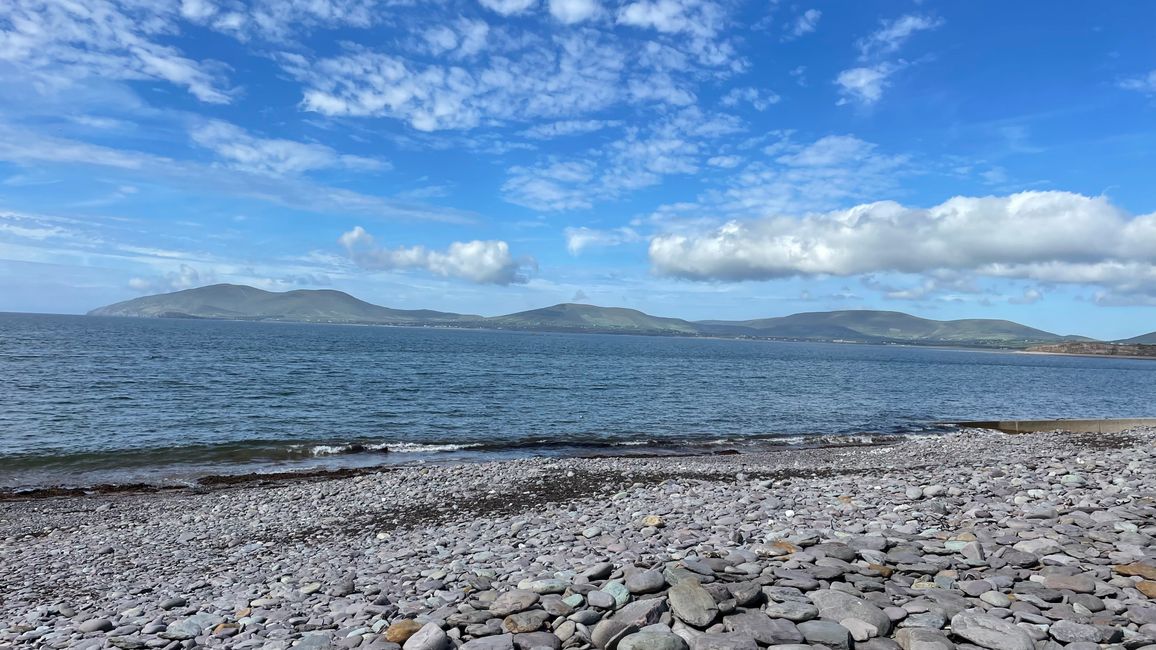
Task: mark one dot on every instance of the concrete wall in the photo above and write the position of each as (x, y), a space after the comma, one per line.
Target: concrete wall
(1075, 426)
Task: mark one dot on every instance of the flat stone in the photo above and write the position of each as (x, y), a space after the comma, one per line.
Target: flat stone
(645, 582)
(188, 628)
(792, 610)
(1041, 546)
(95, 625)
(762, 628)
(914, 638)
(995, 599)
(1081, 584)
(495, 642)
(531, 640)
(528, 621)
(987, 631)
(548, 586)
(827, 633)
(836, 606)
(429, 637)
(513, 601)
(600, 599)
(652, 641)
(315, 641)
(1145, 570)
(1071, 632)
(860, 630)
(715, 641)
(692, 604)
(400, 631)
(643, 612)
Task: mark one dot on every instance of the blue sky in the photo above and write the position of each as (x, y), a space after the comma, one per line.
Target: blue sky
(691, 158)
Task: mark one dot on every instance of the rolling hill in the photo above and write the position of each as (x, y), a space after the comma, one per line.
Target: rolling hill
(1143, 339)
(239, 302)
(576, 317)
(867, 325)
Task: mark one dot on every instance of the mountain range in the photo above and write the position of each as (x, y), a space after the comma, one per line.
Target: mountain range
(239, 302)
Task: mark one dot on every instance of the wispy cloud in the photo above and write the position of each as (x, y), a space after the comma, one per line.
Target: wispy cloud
(807, 22)
(864, 84)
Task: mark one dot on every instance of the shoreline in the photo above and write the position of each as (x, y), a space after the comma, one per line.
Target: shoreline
(945, 538)
(305, 471)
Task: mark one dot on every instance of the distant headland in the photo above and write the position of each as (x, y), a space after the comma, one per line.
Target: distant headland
(239, 302)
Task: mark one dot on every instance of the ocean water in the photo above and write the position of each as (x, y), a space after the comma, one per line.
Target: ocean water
(86, 400)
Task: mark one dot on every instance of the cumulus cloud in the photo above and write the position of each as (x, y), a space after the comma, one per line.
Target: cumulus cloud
(273, 156)
(579, 239)
(1050, 237)
(184, 277)
(574, 11)
(482, 262)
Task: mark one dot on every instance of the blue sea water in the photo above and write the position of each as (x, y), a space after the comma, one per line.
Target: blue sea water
(87, 400)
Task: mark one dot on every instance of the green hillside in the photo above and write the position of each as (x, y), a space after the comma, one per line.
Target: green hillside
(231, 301)
(1143, 339)
(575, 317)
(869, 325)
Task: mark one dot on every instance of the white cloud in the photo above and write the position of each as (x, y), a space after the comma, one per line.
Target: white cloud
(273, 156)
(574, 11)
(724, 162)
(482, 262)
(892, 34)
(864, 85)
(1143, 83)
(551, 186)
(1030, 296)
(27, 148)
(573, 75)
(678, 144)
(509, 7)
(701, 18)
(581, 238)
(461, 38)
(759, 99)
(1048, 237)
(185, 277)
(60, 43)
(807, 22)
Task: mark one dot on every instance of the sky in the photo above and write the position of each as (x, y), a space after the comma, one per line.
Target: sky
(700, 159)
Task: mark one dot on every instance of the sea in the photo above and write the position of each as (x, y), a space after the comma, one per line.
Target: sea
(86, 401)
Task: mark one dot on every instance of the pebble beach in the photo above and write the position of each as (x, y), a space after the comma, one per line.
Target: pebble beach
(974, 539)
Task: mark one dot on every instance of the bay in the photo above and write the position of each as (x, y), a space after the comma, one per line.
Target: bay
(85, 400)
